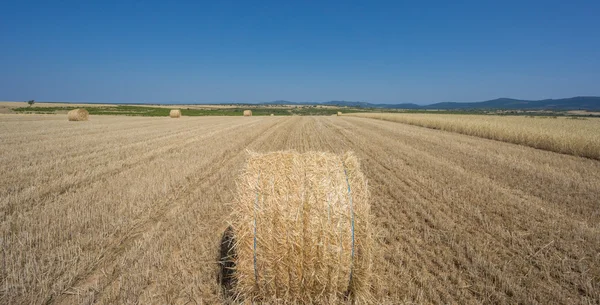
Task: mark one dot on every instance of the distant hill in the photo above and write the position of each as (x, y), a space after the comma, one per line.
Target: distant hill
(573, 103)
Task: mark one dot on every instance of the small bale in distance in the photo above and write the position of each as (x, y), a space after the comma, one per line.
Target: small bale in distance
(339, 113)
(301, 225)
(175, 113)
(78, 114)
(247, 112)
(272, 114)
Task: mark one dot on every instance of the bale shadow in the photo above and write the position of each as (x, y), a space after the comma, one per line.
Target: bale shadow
(226, 262)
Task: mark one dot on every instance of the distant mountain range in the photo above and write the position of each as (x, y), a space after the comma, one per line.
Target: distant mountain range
(573, 103)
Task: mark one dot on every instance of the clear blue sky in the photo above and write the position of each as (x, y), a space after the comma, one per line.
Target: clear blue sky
(254, 51)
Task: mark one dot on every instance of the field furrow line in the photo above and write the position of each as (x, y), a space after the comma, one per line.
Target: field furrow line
(554, 178)
(8, 204)
(497, 233)
(71, 130)
(89, 156)
(210, 176)
(88, 145)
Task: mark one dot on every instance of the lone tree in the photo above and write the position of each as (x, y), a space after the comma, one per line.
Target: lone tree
(31, 102)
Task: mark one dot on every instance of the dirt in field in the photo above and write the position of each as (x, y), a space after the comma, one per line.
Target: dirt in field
(131, 210)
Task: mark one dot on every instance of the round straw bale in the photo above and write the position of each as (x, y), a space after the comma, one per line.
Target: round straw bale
(79, 114)
(339, 113)
(301, 225)
(175, 113)
(247, 112)
(272, 114)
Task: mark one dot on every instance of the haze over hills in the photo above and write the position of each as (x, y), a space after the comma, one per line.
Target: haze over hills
(589, 103)
(573, 103)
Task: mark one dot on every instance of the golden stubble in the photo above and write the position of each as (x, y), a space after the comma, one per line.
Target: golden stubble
(131, 210)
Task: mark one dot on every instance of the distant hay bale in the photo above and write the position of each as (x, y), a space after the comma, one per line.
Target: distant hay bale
(247, 112)
(272, 114)
(339, 113)
(79, 114)
(175, 113)
(301, 230)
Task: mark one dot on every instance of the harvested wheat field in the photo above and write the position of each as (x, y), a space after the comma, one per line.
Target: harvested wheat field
(132, 209)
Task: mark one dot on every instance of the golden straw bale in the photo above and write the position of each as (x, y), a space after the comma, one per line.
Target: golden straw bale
(301, 225)
(79, 114)
(247, 112)
(339, 113)
(175, 113)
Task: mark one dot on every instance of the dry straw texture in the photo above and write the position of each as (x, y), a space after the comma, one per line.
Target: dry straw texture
(339, 113)
(175, 113)
(247, 112)
(293, 221)
(114, 212)
(79, 114)
(578, 137)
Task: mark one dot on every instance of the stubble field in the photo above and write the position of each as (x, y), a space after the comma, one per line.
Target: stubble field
(131, 209)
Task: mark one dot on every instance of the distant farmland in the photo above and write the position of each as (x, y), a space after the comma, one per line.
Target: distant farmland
(131, 209)
(187, 110)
